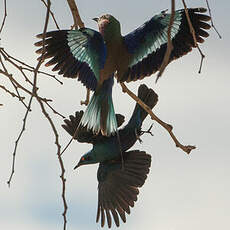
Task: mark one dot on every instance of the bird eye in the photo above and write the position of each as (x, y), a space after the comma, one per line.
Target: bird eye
(87, 158)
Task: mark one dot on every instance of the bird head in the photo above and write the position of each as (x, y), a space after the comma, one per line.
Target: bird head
(108, 26)
(86, 159)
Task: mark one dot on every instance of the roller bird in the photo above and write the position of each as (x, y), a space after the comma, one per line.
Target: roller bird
(94, 58)
(118, 179)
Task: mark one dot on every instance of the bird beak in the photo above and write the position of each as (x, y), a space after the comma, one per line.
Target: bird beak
(79, 164)
(96, 19)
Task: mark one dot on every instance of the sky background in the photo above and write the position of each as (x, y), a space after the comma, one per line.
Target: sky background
(181, 192)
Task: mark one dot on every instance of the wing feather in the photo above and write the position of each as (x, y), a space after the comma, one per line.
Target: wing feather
(148, 43)
(118, 188)
(75, 53)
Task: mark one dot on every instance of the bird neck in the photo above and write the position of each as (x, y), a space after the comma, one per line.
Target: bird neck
(107, 150)
(111, 32)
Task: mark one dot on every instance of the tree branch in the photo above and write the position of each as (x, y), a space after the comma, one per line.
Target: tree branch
(192, 31)
(212, 24)
(169, 44)
(75, 13)
(168, 127)
(4, 18)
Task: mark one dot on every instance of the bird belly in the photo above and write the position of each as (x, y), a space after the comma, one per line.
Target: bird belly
(107, 71)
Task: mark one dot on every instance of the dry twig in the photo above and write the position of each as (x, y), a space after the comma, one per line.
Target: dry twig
(212, 24)
(192, 31)
(52, 15)
(75, 13)
(169, 44)
(4, 17)
(168, 127)
(61, 163)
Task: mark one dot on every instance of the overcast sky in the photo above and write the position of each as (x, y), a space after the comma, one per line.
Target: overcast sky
(181, 192)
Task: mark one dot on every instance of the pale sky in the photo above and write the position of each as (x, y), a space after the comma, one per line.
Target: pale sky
(181, 191)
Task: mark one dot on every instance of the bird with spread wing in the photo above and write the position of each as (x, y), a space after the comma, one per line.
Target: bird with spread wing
(118, 176)
(94, 58)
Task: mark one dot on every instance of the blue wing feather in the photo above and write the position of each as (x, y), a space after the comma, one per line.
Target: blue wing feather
(150, 36)
(147, 44)
(76, 53)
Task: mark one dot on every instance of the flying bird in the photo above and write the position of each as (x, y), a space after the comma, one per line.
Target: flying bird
(94, 58)
(118, 178)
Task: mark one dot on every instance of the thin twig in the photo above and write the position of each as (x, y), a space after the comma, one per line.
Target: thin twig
(44, 73)
(34, 93)
(62, 176)
(11, 93)
(54, 111)
(17, 142)
(8, 58)
(192, 31)
(52, 15)
(4, 18)
(10, 76)
(5, 72)
(24, 66)
(168, 127)
(212, 24)
(169, 43)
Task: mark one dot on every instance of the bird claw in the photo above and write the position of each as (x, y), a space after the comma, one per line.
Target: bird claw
(148, 131)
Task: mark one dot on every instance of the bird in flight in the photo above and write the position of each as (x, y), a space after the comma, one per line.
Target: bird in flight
(118, 179)
(95, 58)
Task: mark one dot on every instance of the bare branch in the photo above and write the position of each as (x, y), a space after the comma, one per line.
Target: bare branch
(24, 66)
(168, 127)
(75, 13)
(52, 15)
(4, 18)
(34, 93)
(62, 176)
(169, 44)
(192, 31)
(18, 85)
(16, 143)
(54, 111)
(212, 24)
(11, 93)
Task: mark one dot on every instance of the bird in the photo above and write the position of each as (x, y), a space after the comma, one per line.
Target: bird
(95, 58)
(118, 179)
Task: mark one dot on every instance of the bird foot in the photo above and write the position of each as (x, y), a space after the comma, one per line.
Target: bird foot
(148, 131)
(86, 102)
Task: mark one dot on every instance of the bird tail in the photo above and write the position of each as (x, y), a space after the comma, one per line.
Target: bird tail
(99, 114)
(150, 98)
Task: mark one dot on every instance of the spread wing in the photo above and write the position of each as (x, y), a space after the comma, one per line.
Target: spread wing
(148, 43)
(75, 53)
(84, 135)
(118, 188)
